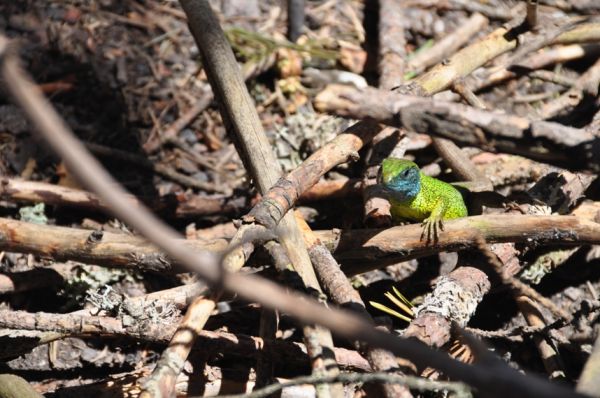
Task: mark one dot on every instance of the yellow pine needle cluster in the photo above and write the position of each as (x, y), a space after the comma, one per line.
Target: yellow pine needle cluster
(400, 301)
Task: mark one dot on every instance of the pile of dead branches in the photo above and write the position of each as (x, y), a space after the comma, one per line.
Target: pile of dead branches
(499, 97)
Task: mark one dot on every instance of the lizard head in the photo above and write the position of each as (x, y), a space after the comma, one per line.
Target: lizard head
(400, 177)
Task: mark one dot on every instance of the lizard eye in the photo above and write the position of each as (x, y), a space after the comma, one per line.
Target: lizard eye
(405, 172)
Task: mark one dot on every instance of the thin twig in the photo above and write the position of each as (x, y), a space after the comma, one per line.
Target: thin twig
(413, 382)
(516, 284)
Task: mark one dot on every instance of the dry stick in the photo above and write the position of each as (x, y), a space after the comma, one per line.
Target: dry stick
(448, 45)
(509, 133)
(532, 9)
(179, 297)
(589, 380)
(460, 88)
(239, 114)
(16, 190)
(158, 168)
(359, 250)
(402, 243)
(534, 61)
(295, 19)
(94, 247)
(392, 54)
(501, 13)
(196, 205)
(186, 118)
(523, 295)
(581, 6)
(499, 41)
(50, 194)
(462, 166)
(459, 390)
(55, 195)
(553, 77)
(581, 33)
(341, 292)
(493, 12)
(532, 43)
(548, 353)
(210, 342)
(498, 381)
(196, 157)
(454, 299)
(250, 70)
(392, 51)
(525, 305)
(584, 33)
(464, 62)
(331, 189)
(585, 85)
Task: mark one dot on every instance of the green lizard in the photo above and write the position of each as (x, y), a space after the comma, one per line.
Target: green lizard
(418, 197)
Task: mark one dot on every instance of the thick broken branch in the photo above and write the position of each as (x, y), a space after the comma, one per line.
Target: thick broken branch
(394, 244)
(465, 124)
(401, 243)
(92, 247)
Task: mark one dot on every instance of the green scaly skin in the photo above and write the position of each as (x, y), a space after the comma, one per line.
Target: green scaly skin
(434, 202)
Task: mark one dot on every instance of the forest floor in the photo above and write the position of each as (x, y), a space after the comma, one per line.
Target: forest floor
(127, 78)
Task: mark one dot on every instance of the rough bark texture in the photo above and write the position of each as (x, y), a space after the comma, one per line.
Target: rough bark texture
(454, 299)
(93, 247)
(467, 125)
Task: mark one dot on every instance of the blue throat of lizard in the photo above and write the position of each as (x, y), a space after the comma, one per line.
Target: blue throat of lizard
(405, 185)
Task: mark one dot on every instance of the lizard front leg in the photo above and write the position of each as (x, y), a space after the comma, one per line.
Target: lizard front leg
(433, 224)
